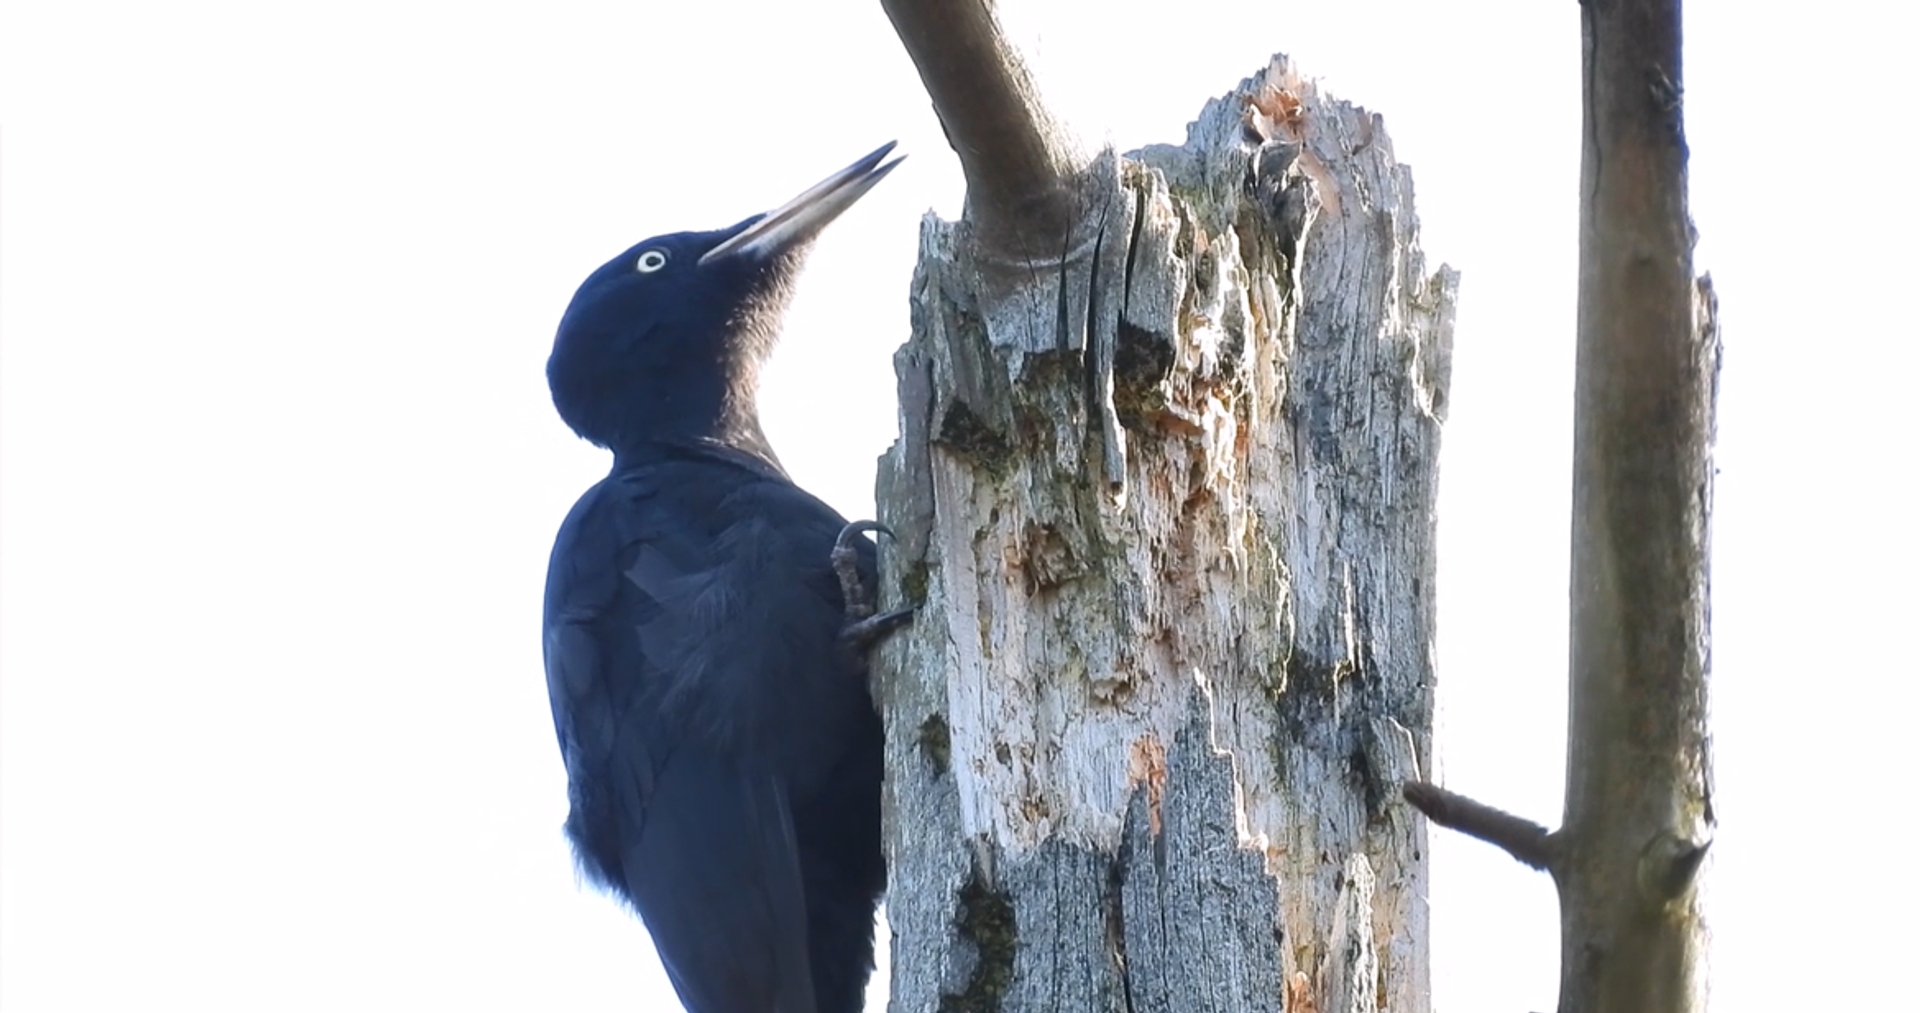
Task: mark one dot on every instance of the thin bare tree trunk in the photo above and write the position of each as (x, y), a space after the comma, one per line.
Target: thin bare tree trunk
(1164, 496)
(1639, 809)
(1638, 813)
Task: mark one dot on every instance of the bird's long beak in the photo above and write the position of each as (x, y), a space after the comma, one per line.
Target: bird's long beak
(801, 218)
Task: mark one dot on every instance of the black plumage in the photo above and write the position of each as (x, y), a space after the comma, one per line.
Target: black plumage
(723, 755)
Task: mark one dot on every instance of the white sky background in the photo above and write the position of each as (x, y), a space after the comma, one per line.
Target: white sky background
(277, 286)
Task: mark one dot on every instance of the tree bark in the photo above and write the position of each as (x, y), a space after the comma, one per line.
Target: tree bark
(1164, 499)
(1639, 806)
(1638, 811)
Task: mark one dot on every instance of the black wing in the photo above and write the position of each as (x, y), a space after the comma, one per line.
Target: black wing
(699, 692)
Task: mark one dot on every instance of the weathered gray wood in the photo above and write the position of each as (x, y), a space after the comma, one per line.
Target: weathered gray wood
(1164, 494)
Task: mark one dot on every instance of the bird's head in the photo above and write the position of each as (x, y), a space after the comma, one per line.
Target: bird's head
(665, 341)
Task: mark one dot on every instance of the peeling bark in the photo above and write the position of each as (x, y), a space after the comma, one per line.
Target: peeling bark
(1164, 497)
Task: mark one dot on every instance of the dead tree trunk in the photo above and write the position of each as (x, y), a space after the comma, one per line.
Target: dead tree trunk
(1164, 497)
(1639, 806)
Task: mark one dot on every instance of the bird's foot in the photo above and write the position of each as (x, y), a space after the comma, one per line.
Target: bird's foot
(862, 634)
(864, 628)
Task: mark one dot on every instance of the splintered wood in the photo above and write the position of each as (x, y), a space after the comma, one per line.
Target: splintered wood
(1165, 499)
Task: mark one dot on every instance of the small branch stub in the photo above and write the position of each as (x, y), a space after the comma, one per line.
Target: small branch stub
(1528, 842)
(1669, 865)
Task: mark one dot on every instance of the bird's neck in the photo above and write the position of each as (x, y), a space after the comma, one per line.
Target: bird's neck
(757, 459)
(726, 419)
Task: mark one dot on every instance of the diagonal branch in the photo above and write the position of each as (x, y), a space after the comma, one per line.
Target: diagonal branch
(1022, 167)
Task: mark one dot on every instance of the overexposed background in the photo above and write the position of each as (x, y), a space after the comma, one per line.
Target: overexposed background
(277, 286)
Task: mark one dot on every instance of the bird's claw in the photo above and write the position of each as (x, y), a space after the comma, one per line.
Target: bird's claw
(846, 566)
(864, 628)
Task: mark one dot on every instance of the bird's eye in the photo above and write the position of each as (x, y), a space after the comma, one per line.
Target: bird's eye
(651, 261)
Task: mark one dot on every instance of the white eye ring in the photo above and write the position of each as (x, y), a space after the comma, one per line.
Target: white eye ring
(651, 261)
